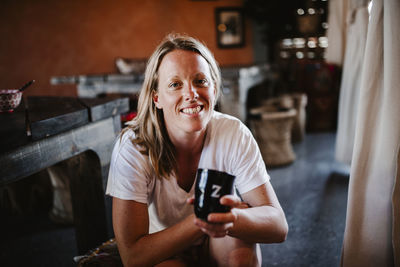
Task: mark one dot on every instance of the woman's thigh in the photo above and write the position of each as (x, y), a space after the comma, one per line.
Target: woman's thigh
(194, 256)
(172, 263)
(230, 251)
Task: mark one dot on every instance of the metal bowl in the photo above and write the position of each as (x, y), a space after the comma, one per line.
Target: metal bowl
(9, 99)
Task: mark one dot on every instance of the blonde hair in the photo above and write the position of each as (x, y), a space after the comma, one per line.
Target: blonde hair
(150, 132)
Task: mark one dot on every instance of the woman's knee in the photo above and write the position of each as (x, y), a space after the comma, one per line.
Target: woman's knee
(171, 263)
(243, 257)
(229, 251)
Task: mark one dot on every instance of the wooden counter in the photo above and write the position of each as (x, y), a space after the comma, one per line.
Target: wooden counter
(43, 131)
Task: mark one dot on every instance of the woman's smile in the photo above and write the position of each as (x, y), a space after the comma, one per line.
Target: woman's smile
(192, 110)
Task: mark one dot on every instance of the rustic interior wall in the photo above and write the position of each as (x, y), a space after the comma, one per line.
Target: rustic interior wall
(43, 38)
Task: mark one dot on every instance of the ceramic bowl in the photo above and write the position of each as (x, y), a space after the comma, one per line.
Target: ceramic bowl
(9, 99)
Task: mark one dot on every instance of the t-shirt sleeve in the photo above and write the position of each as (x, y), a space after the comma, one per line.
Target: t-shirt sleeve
(249, 166)
(128, 175)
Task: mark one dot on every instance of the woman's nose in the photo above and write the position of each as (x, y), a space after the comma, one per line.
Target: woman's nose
(190, 93)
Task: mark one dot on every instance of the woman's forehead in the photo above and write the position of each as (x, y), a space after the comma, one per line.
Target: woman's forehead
(183, 60)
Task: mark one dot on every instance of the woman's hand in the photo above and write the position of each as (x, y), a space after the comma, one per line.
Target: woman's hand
(218, 224)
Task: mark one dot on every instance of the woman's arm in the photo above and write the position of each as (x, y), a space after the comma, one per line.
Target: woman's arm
(263, 222)
(139, 248)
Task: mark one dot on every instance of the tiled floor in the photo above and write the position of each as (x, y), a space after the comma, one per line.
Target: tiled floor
(313, 194)
(312, 191)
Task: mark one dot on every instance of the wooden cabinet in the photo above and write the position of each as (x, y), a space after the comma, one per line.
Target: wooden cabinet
(321, 82)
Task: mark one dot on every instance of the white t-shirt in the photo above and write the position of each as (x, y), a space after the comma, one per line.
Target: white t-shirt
(229, 147)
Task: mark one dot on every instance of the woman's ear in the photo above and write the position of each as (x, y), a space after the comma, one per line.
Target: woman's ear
(155, 100)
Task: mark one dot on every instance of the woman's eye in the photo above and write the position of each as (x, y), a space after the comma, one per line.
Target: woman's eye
(201, 81)
(174, 84)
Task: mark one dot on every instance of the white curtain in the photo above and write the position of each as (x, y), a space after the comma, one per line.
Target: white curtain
(396, 217)
(357, 25)
(372, 224)
(337, 22)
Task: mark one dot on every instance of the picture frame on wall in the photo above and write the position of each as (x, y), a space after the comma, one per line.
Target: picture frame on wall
(229, 27)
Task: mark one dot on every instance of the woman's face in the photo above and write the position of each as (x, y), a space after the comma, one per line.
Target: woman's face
(186, 92)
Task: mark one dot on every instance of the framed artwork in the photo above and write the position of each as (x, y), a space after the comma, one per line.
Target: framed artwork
(229, 26)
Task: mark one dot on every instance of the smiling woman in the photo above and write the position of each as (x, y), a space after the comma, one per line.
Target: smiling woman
(185, 94)
(155, 161)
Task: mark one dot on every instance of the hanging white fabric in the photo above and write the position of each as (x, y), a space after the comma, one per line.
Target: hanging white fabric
(369, 235)
(336, 33)
(396, 217)
(357, 25)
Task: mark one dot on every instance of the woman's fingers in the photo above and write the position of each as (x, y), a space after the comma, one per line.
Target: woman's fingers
(233, 202)
(228, 217)
(190, 200)
(230, 200)
(218, 224)
(214, 229)
(227, 200)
